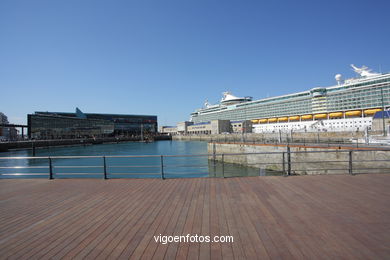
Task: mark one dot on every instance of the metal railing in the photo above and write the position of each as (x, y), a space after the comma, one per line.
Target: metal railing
(107, 170)
(325, 142)
(357, 161)
(288, 138)
(202, 165)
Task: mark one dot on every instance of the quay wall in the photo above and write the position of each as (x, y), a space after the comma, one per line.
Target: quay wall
(31, 144)
(304, 159)
(290, 136)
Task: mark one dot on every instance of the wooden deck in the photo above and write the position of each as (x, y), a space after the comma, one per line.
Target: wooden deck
(301, 217)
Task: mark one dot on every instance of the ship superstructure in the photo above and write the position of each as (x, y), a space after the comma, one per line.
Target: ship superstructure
(352, 103)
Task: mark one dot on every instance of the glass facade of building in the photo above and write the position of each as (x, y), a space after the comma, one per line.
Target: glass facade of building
(62, 127)
(359, 94)
(51, 125)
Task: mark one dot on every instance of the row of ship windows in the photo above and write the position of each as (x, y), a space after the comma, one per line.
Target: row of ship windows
(301, 107)
(342, 123)
(366, 103)
(350, 87)
(287, 126)
(362, 100)
(329, 124)
(279, 110)
(370, 83)
(375, 94)
(362, 92)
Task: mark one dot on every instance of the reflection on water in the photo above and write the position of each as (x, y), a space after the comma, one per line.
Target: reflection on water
(125, 167)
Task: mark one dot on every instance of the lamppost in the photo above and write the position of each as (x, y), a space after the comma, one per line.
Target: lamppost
(243, 128)
(383, 114)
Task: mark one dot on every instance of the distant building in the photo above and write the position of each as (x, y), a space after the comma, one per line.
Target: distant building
(381, 121)
(241, 126)
(7, 133)
(172, 130)
(54, 125)
(212, 127)
(182, 127)
(3, 120)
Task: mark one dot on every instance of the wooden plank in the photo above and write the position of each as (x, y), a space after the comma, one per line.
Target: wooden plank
(238, 245)
(215, 248)
(76, 224)
(183, 248)
(173, 247)
(134, 222)
(325, 216)
(175, 203)
(223, 227)
(98, 231)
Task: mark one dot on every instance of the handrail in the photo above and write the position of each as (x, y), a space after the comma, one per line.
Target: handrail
(287, 162)
(186, 155)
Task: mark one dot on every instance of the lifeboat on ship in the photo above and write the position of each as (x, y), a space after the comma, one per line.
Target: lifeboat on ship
(263, 121)
(353, 113)
(336, 114)
(370, 112)
(320, 116)
(272, 120)
(293, 118)
(282, 119)
(307, 117)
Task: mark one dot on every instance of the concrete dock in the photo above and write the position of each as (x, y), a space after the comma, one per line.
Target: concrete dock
(299, 217)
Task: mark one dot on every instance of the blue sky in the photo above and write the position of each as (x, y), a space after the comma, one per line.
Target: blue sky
(166, 57)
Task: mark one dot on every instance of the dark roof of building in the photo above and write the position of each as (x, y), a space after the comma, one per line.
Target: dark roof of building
(81, 114)
(202, 123)
(382, 114)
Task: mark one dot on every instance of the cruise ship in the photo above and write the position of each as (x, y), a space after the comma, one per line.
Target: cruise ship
(350, 105)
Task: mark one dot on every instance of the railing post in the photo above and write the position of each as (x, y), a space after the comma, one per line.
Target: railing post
(33, 148)
(105, 168)
(283, 162)
(223, 166)
(214, 159)
(350, 163)
(162, 168)
(288, 161)
(50, 169)
(214, 150)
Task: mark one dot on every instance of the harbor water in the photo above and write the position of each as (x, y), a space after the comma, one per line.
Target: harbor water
(123, 160)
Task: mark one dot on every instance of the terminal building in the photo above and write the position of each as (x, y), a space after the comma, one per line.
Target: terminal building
(61, 125)
(211, 127)
(350, 105)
